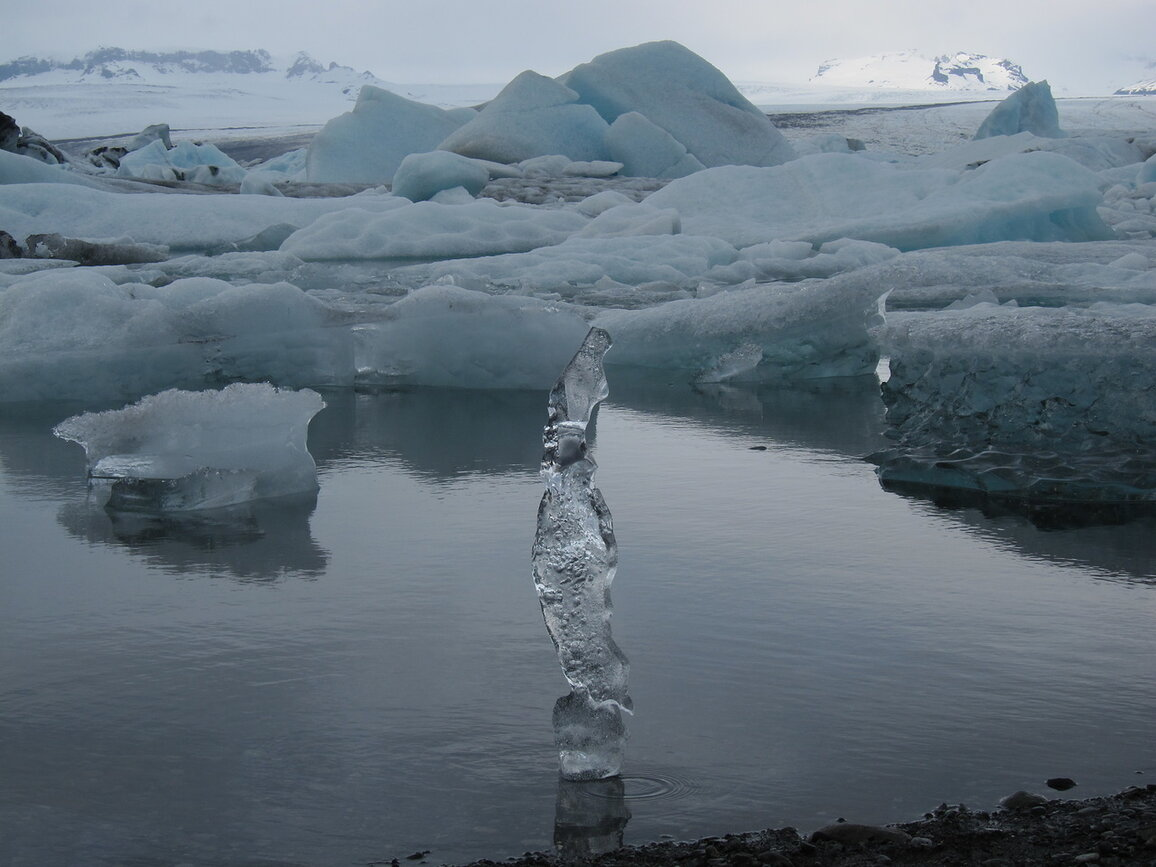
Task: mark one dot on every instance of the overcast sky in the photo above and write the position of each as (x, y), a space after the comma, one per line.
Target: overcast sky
(1078, 46)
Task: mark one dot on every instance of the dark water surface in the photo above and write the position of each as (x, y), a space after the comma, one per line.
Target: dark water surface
(365, 675)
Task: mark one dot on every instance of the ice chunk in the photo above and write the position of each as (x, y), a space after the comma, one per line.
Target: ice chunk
(680, 92)
(366, 145)
(181, 222)
(756, 333)
(532, 116)
(198, 163)
(574, 558)
(1029, 109)
(1028, 405)
(646, 150)
(1034, 196)
(432, 230)
(184, 451)
(445, 336)
(77, 335)
(422, 176)
(578, 263)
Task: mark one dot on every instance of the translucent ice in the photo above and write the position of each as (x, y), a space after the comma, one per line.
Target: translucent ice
(574, 558)
(182, 451)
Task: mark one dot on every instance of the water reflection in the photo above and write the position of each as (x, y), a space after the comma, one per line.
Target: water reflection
(266, 540)
(1122, 549)
(440, 434)
(590, 817)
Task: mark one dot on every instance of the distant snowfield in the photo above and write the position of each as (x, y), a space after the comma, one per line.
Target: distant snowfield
(198, 103)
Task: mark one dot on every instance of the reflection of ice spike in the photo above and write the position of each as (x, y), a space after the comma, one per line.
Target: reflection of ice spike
(575, 556)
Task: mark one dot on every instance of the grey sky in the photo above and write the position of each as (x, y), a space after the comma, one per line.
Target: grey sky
(1079, 46)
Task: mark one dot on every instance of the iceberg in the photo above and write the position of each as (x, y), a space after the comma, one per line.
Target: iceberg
(680, 92)
(533, 116)
(825, 197)
(574, 559)
(1035, 406)
(1029, 109)
(366, 145)
(432, 230)
(181, 451)
(423, 176)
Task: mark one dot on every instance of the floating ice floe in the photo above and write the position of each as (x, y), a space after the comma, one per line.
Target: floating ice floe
(1035, 196)
(1025, 404)
(181, 451)
(77, 335)
(185, 223)
(431, 230)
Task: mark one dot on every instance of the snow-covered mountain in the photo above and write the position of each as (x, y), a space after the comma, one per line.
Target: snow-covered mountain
(113, 90)
(914, 70)
(1146, 87)
(119, 64)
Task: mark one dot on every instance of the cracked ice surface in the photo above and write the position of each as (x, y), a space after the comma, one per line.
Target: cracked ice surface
(574, 560)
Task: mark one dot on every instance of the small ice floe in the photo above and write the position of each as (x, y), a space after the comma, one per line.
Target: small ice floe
(181, 451)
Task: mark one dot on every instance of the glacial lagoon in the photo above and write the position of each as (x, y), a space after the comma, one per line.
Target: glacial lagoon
(364, 675)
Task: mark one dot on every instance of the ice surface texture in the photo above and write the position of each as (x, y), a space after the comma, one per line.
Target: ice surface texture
(183, 451)
(1035, 404)
(574, 560)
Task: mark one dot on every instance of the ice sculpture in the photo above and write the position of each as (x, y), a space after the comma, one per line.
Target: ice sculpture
(574, 559)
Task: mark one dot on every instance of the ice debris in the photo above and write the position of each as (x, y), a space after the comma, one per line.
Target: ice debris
(574, 558)
(181, 451)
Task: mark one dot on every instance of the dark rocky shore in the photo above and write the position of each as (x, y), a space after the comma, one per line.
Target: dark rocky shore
(1115, 830)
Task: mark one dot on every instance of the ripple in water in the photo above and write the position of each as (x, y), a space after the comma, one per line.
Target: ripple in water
(654, 787)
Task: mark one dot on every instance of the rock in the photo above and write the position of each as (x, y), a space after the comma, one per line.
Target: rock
(9, 133)
(9, 249)
(851, 833)
(55, 246)
(106, 156)
(1060, 784)
(27, 142)
(1022, 800)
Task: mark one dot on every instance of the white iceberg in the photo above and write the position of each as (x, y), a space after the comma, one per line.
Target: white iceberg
(683, 94)
(181, 451)
(366, 145)
(1030, 109)
(1034, 196)
(532, 116)
(423, 176)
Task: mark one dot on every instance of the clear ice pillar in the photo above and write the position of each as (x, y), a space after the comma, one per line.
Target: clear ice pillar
(574, 559)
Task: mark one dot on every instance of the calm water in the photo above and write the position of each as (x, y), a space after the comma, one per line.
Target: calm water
(366, 675)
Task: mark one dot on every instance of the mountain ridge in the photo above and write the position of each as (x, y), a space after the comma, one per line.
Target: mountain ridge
(912, 69)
